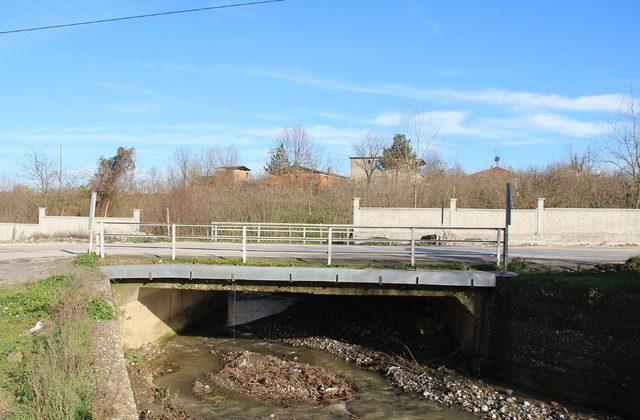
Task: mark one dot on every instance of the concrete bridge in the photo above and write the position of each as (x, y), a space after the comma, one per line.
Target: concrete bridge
(162, 298)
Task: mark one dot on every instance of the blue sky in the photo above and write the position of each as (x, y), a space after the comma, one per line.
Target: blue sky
(527, 78)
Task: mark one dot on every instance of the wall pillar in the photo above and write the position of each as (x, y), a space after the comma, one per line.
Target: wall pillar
(136, 215)
(453, 207)
(42, 213)
(356, 210)
(539, 216)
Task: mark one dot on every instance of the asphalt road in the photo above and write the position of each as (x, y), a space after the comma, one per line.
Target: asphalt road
(561, 256)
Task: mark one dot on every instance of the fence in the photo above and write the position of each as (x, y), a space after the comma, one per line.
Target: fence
(328, 240)
(538, 226)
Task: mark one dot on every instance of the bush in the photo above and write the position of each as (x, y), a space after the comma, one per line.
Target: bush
(633, 264)
(518, 265)
(100, 310)
(86, 260)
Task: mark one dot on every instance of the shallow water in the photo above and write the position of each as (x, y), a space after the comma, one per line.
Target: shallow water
(376, 398)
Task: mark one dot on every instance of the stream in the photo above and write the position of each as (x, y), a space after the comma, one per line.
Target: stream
(376, 398)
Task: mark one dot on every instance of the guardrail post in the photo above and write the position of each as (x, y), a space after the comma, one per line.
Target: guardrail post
(215, 232)
(497, 247)
(329, 240)
(211, 231)
(304, 235)
(413, 248)
(101, 239)
(244, 244)
(173, 242)
(258, 234)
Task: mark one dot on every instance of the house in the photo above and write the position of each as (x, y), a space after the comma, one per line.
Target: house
(361, 165)
(303, 176)
(495, 172)
(237, 173)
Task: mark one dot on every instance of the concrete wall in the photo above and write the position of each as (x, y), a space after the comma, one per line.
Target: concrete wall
(64, 226)
(540, 226)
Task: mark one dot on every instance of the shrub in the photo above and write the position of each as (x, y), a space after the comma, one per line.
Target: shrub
(86, 260)
(100, 310)
(518, 265)
(633, 264)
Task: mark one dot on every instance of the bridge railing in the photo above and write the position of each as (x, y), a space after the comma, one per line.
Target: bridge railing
(330, 240)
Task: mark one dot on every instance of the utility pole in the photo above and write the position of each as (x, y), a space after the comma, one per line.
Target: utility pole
(60, 169)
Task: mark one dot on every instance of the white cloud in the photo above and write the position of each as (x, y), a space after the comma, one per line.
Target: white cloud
(609, 102)
(459, 123)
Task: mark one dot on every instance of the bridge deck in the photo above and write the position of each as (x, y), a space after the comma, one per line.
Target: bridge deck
(302, 275)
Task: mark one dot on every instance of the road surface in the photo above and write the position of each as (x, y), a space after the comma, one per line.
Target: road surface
(561, 256)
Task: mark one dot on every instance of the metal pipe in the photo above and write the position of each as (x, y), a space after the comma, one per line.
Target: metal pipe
(413, 248)
(329, 240)
(244, 244)
(498, 247)
(173, 242)
(101, 239)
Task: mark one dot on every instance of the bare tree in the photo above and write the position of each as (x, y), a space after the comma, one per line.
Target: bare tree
(183, 167)
(300, 150)
(424, 134)
(370, 148)
(622, 145)
(219, 157)
(40, 171)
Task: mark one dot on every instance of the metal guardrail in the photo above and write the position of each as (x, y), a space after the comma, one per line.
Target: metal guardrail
(300, 234)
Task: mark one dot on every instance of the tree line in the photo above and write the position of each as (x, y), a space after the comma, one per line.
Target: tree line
(192, 189)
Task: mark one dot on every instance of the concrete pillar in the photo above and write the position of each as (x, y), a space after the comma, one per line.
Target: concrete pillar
(539, 216)
(42, 213)
(136, 215)
(356, 210)
(453, 207)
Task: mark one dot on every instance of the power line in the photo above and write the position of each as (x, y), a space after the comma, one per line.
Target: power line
(174, 12)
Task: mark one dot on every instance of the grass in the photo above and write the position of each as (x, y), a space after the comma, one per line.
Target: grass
(594, 283)
(47, 375)
(101, 310)
(88, 260)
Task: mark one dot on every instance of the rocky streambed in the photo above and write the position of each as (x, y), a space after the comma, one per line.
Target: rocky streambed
(327, 359)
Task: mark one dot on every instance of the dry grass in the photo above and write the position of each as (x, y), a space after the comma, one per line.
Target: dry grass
(218, 198)
(53, 379)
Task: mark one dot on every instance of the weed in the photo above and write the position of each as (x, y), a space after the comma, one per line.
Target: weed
(518, 265)
(101, 310)
(88, 259)
(633, 264)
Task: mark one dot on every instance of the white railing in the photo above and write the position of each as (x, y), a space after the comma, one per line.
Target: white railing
(304, 237)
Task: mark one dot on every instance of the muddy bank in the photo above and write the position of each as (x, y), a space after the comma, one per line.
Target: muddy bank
(408, 345)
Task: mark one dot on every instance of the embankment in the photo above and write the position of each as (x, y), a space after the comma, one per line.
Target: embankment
(572, 336)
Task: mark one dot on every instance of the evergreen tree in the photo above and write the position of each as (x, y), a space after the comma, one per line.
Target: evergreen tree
(399, 153)
(279, 159)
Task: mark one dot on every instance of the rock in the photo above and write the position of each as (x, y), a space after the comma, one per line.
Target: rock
(36, 327)
(508, 391)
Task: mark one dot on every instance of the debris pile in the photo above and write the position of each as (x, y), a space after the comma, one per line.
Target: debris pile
(280, 382)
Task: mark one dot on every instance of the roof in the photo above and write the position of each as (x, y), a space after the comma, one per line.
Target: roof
(298, 168)
(364, 157)
(237, 168)
(495, 171)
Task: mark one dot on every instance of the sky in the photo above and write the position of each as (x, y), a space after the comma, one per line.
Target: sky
(526, 80)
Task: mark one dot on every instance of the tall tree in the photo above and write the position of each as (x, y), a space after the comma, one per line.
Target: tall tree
(622, 145)
(399, 153)
(279, 159)
(299, 149)
(109, 176)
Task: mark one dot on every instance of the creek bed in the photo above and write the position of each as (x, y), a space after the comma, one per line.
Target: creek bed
(375, 398)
